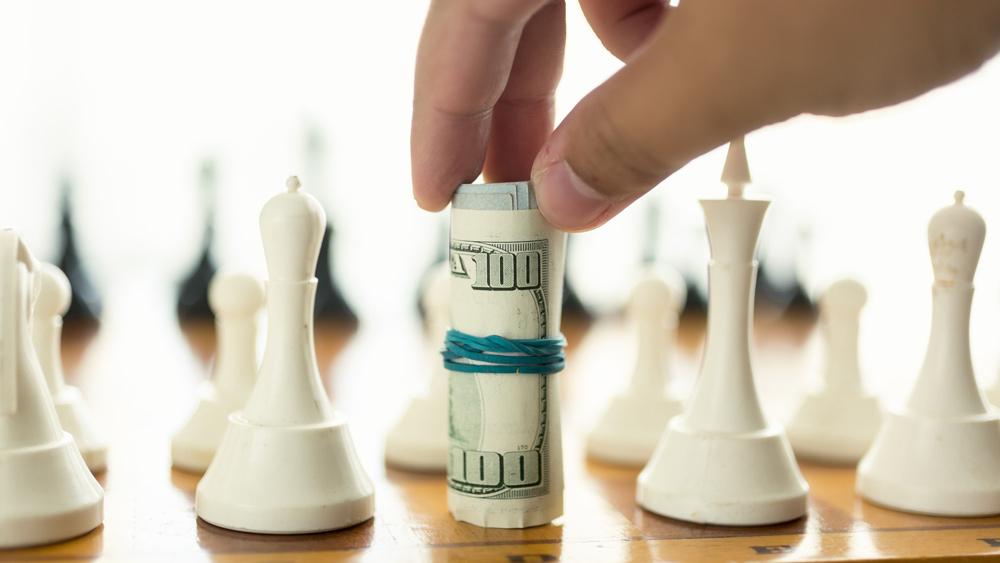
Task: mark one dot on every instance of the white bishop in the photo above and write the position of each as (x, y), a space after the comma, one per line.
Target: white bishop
(939, 452)
(287, 464)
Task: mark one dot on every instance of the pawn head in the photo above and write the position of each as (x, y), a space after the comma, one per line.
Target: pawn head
(235, 294)
(843, 295)
(54, 292)
(658, 290)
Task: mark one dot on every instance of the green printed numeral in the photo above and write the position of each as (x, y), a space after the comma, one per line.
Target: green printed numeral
(507, 271)
(490, 469)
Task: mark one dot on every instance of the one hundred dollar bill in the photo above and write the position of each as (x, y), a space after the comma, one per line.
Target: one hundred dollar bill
(505, 462)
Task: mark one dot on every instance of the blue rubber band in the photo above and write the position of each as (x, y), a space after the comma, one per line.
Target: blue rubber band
(495, 354)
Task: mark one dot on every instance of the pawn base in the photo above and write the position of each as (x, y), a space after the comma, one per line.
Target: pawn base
(74, 417)
(629, 429)
(728, 479)
(942, 467)
(193, 448)
(835, 428)
(419, 441)
(285, 479)
(49, 495)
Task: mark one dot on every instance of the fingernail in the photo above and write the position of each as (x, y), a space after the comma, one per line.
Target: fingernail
(565, 200)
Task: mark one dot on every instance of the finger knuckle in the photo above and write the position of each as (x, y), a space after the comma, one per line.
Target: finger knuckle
(626, 160)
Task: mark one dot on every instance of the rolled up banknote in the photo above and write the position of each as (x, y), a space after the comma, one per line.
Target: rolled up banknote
(507, 262)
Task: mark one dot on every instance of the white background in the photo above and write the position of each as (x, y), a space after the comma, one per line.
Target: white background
(125, 99)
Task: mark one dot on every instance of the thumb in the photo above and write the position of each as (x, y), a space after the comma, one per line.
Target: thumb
(660, 111)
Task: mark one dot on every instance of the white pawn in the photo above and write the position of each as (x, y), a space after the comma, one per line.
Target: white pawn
(53, 301)
(837, 422)
(236, 300)
(419, 441)
(47, 493)
(287, 464)
(939, 452)
(722, 461)
(631, 425)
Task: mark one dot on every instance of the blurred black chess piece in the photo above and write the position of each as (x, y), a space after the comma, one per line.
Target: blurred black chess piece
(695, 301)
(192, 300)
(330, 301)
(651, 255)
(86, 304)
(779, 286)
(783, 296)
(573, 306)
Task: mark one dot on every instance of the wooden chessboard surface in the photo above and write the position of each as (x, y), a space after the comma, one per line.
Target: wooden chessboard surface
(141, 374)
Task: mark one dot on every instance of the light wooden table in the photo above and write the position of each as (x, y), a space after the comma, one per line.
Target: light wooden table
(141, 381)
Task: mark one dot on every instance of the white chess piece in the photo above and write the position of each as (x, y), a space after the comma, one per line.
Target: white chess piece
(419, 441)
(47, 493)
(46, 334)
(236, 300)
(631, 425)
(939, 453)
(721, 461)
(993, 392)
(287, 464)
(837, 422)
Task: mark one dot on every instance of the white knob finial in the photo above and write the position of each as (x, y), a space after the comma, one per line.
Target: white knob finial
(293, 184)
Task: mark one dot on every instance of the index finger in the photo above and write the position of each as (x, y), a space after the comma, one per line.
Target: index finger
(464, 59)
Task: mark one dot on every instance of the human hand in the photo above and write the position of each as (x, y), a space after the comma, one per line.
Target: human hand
(695, 76)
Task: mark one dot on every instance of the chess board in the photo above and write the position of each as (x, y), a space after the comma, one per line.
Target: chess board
(142, 382)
